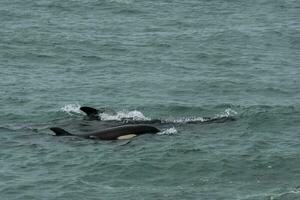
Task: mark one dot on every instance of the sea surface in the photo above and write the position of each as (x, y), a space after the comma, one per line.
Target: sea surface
(179, 61)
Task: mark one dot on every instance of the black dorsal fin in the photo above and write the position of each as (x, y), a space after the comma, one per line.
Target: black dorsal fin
(59, 131)
(92, 113)
(89, 110)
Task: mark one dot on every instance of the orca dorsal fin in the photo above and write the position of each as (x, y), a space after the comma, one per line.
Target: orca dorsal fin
(92, 113)
(60, 132)
(89, 110)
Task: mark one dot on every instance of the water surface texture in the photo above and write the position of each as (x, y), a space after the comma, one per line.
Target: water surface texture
(173, 60)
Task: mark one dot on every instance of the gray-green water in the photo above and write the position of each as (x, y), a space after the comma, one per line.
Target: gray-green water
(175, 60)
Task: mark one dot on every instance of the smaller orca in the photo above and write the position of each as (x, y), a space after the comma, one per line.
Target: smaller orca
(115, 133)
(93, 113)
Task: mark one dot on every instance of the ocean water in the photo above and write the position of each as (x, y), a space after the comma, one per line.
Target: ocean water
(173, 60)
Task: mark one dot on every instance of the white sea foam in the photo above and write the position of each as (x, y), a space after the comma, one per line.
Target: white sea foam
(134, 115)
(187, 119)
(169, 131)
(71, 109)
(227, 113)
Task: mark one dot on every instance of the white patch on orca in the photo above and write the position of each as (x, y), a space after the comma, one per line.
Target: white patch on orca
(126, 137)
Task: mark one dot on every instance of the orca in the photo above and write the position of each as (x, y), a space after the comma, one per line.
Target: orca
(115, 133)
(94, 114)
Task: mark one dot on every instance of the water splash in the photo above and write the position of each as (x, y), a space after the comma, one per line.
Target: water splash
(187, 120)
(71, 109)
(134, 115)
(169, 131)
(227, 113)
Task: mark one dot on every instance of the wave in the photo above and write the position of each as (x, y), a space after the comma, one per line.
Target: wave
(291, 194)
(121, 1)
(27, 127)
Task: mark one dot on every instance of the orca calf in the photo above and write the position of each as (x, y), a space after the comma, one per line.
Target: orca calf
(92, 113)
(115, 133)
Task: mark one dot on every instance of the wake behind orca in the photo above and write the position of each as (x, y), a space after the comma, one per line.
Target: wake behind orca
(119, 132)
(94, 114)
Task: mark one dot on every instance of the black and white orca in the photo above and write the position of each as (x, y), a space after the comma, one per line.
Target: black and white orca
(115, 133)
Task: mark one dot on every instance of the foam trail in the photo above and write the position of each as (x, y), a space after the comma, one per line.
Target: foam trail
(187, 119)
(184, 120)
(71, 109)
